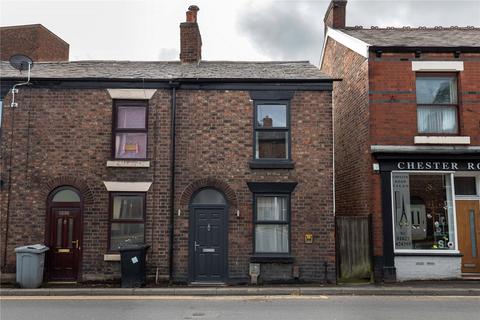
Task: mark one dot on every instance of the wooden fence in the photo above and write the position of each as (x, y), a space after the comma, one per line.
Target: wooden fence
(353, 248)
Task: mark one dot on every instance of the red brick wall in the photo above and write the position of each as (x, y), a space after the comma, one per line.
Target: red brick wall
(393, 101)
(393, 109)
(351, 127)
(64, 136)
(335, 15)
(190, 42)
(215, 141)
(35, 41)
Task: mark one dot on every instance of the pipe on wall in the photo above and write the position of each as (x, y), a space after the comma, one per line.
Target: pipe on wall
(173, 108)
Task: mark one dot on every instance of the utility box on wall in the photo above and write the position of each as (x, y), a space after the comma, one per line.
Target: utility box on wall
(254, 272)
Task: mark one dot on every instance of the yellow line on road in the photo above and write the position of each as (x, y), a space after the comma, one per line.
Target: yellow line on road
(136, 297)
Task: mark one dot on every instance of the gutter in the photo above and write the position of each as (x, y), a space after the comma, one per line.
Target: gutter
(426, 49)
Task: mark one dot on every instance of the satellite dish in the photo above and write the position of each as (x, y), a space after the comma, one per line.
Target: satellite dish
(21, 62)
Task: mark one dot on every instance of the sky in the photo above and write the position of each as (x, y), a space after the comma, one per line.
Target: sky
(240, 30)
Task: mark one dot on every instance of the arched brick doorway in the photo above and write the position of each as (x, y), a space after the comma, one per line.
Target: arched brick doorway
(64, 234)
(208, 236)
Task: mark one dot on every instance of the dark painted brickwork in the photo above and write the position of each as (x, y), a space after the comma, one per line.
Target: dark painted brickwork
(64, 137)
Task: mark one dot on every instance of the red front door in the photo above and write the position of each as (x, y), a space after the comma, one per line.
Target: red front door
(65, 243)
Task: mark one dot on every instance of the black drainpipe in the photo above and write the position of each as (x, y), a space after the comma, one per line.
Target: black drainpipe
(173, 86)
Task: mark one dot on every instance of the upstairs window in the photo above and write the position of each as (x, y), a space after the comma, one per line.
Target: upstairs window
(130, 129)
(437, 104)
(272, 131)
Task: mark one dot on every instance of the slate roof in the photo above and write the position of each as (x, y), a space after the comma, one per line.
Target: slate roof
(417, 37)
(169, 70)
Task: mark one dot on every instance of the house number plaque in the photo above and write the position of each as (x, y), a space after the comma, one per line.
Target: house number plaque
(308, 237)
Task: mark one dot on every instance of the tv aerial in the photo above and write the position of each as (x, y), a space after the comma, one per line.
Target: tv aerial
(20, 62)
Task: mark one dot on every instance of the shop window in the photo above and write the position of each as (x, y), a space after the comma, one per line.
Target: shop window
(272, 224)
(130, 129)
(423, 211)
(465, 186)
(127, 219)
(272, 131)
(437, 104)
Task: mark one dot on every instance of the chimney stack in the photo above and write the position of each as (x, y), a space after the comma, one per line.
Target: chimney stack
(335, 15)
(190, 38)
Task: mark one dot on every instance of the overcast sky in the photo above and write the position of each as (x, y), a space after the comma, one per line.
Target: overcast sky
(231, 29)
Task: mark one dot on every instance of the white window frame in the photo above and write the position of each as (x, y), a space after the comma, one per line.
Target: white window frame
(439, 135)
(455, 250)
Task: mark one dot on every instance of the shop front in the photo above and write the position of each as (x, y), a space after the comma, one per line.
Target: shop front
(431, 215)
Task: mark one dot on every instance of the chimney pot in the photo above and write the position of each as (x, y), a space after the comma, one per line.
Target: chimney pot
(192, 13)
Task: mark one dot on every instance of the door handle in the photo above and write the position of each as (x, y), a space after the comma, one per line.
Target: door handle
(196, 245)
(75, 242)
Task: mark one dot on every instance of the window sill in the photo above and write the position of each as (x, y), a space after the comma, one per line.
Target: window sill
(128, 164)
(271, 164)
(433, 253)
(111, 257)
(272, 258)
(441, 140)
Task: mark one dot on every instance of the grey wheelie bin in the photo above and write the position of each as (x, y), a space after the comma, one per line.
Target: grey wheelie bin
(30, 261)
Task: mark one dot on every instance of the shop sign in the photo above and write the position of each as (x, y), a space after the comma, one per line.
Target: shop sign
(438, 165)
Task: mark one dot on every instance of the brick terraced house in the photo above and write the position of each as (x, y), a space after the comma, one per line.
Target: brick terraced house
(407, 143)
(218, 166)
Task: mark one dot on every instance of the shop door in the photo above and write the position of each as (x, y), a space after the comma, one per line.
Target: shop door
(468, 229)
(209, 245)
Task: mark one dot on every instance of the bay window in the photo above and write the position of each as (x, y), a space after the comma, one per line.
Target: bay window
(130, 129)
(437, 103)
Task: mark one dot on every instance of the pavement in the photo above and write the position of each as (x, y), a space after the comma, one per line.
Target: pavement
(420, 288)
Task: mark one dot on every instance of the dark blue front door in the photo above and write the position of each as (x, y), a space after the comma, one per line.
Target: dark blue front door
(209, 244)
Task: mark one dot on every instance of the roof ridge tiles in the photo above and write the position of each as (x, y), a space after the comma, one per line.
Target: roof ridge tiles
(410, 28)
(173, 62)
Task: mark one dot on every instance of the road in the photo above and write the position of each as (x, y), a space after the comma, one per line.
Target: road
(265, 308)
